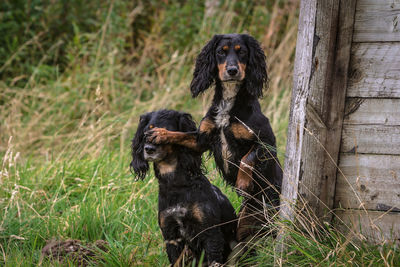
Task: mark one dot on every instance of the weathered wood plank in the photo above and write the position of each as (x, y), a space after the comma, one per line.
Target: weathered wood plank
(372, 111)
(377, 21)
(370, 180)
(320, 79)
(375, 70)
(375, 226)
(334, 104)
(371, 139)
(302, 71)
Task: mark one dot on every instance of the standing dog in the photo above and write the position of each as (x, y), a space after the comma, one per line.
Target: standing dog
(234, 128)
(191, 211)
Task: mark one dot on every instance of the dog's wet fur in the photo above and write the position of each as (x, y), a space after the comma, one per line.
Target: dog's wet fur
(192, 212)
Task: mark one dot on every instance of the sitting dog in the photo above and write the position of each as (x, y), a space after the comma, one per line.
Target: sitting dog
(191, 211)
(234, 129)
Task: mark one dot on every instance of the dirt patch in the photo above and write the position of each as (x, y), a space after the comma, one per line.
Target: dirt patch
(75, 251)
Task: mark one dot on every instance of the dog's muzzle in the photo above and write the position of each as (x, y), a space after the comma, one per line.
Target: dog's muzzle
(151, 152)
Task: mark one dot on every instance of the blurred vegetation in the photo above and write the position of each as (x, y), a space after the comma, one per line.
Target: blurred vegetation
(74, 78)
(72, 70)
(42, 32)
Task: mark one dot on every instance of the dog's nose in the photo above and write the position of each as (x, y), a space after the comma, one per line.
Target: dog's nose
(232, 70)
(149, 148)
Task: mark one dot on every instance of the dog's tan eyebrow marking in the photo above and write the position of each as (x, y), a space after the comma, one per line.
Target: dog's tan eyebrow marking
(237, 47)
(151, 126)
(225, 47)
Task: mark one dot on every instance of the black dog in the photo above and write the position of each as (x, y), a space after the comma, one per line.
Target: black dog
(191, 211)
(234, 128)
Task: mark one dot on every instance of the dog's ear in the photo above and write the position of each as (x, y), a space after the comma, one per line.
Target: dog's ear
(138, 164)
(256, 69)
(186, 123)
(205, 70)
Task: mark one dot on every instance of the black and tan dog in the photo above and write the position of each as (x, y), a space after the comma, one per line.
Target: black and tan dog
(234, 128)
(191, 211)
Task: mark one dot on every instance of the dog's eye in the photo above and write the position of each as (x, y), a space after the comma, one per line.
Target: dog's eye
(242, 52)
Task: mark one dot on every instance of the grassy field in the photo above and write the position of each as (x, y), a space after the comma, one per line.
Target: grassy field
(75, 76)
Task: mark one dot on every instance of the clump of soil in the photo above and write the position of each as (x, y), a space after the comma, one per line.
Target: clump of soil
(75, 251)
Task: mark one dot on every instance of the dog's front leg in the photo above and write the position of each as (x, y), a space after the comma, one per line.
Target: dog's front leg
(173, 241)
(214, 247)
(244, 180)
(164, 136)
(175, 251)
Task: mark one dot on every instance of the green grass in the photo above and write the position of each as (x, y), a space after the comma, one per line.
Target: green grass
(86, 199)
(74, 79)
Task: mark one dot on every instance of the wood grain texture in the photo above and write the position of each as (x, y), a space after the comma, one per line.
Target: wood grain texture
(374, 70)
(371, 139)
(377, 21)
(335, 104)
(302, 72)
(320, 80)
(375, 226)
(369, 180)
(372, 111)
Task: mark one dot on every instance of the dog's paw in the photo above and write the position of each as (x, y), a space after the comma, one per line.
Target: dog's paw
(157, 136)
(215, 264)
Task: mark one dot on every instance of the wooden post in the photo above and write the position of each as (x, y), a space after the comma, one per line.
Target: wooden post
(317, 105)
